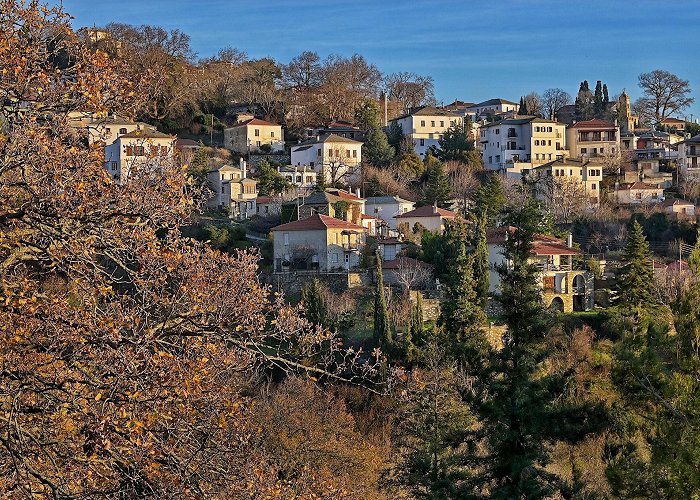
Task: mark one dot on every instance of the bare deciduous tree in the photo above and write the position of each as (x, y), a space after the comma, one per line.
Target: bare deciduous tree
(553, 100)
(665, 93)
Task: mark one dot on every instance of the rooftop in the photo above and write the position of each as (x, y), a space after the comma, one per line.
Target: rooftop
(428, 211)
(385, 200)
(638, 185)
(594, 124)
(255, 121)
(494, 102)
(428, 111)
(318, 222)
(146, 134)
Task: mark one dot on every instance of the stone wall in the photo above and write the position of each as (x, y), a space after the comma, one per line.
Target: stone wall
(255, 158)
(292, 283)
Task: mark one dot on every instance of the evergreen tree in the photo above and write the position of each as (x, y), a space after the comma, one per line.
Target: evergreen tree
(416, 329)
(382, 325)
(598, 100)
(395, 136)
(522, 109)
(584, 102)
(635, 279)
(270, 181)
(492, 198)
(437, 188)
(461, 315)
(455, 143)
(606, 98)
(376, 149)
(694, 259)
(315, 308)
(199, 166)
(434, 424)
(481, 259)
(321, 183)
(518, 405)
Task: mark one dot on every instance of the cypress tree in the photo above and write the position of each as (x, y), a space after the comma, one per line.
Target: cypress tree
(382, 325)
(492, 198)
(522, 110)
(598, 99)
(481, 260)
(635, 278)
(606, 97)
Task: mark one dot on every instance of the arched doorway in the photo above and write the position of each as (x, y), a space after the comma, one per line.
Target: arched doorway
(579, 293)
(557, 304)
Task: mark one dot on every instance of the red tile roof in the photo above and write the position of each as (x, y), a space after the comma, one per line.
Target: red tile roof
(428, 211)
(595, 123)
(264, 199)
(344, 195)
(669, 202)
(255, 121)
(542, 244)
(317, 222)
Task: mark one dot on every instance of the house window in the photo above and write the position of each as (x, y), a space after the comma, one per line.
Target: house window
(498, 131)
(139, 151)
(442, 123)
(129, 151)
(537, 129)
(490, 159)
(422, 142)
(432, 123)
(537, 156)
(222, 189)
(122, 131)
(584, 151)
(330, 153)
(286, 239)
(257, 132)
(309, 179)
(549, 142)
(354, 153)
(549, 156)
(594, 186)
(655, 195)
(549, 129)
(347, 258)
(347, 153)
(638, 196)
(257, 143)
(113, 165)
(337, 153)
(334, 258)
(272, 134)
(318, 152)
(498, 158)
(422, 123)
(223, 177)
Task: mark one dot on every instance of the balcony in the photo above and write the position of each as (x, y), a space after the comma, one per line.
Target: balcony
(351, 247)
(512, 134)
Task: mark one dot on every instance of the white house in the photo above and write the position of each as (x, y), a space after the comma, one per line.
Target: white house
(678, 207)
(429, 217)
(106, 129)
(492, 107)
(339, 158)
(426, 126)
(586, 172)
(143, 148)
(591, 138)
(233, 191)
(637, 193)
(252, 134)
(387, 208)
(521, 143)
(301, 176)
(689, 157)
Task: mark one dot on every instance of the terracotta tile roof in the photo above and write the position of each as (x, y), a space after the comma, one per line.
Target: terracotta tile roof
(146, 134)
(317, 222)
(428, 211)
(541, 248)
(264, 199)
(669, 202)
(344, 195)
(333, 138)
(255, 121)
(542, 244)
(638, 185)
(595, 123)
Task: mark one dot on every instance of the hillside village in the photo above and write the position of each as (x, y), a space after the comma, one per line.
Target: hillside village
(245, 278)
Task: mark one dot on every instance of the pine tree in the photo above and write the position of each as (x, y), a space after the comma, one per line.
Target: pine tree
(382, 325)
(481, 260)
(315, 308)
(437, 189)
(635, 279)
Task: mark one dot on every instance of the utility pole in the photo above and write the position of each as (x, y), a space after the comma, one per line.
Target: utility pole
(211, 132)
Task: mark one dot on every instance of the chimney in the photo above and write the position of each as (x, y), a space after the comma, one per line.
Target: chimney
(570, 240)
(243, 167)
(435, 207)
(357, 193)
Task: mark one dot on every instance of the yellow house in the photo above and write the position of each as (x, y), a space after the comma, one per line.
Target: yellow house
(252, 134)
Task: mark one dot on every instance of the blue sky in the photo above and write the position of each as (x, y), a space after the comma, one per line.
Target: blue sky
(474, 50)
